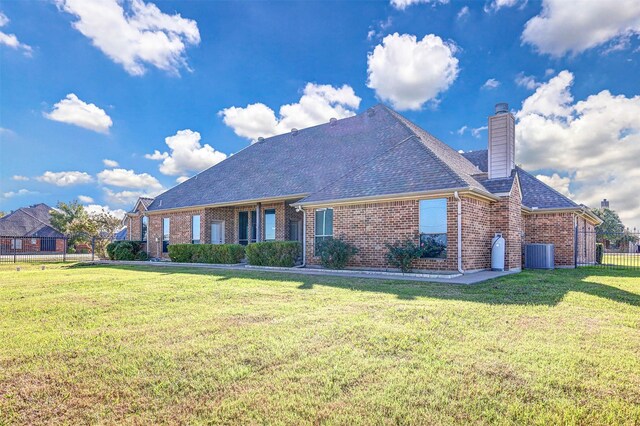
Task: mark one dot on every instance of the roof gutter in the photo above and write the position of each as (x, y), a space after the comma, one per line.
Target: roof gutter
(229, 204)
(581, 210)
(401, 196)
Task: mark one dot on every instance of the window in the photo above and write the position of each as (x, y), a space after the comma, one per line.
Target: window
(254, 226)
(217, 232)
(166, 229)
(433, 228)
(195, 229)
(269, 225)
(243, 228)
(144, 226)
(16, 244)
(324, 226)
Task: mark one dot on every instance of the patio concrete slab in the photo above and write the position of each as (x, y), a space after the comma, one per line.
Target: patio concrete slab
(455, 278)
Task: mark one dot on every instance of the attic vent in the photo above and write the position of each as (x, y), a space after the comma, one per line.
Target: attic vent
(333, 121)
(371, 112)
(260, 139)
(294, 131)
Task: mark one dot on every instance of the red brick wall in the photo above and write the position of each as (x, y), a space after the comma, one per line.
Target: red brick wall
(506, 218)
(369, 226)
(179, 229)
(552, 228)
(476, 234)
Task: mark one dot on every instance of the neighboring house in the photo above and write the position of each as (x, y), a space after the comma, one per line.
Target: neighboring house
(121, 235)
(372, 179)
(32, 225)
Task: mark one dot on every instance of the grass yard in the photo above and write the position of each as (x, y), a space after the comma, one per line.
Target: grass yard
(621, 259)
(106, 344)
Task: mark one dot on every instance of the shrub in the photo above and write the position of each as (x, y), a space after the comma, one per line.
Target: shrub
(400, 255)
(71, 250)
(335, 253)
(124, 250)
(142, 256)
(206, 253)
(273, 253)
(599, 253)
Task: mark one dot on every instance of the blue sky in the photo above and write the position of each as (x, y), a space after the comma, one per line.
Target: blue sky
(134, 73)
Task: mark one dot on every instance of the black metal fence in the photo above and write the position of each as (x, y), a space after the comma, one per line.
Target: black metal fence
(618, 250)
(50, 249)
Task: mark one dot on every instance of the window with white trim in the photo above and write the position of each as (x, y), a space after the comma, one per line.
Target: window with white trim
(195, 229)
(323, 226)
(433, 228)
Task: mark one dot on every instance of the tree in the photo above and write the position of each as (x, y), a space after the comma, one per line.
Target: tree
(72, 220)
(2, 214)
(612, 230)
(107, 225)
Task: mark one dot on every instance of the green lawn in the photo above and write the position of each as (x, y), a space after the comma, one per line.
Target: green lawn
(621, 259)
(140, 346)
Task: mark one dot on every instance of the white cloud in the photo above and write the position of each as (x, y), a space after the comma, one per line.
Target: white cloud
(403, 4)
(126, 198)
(527, 81)
(463, 13)
(17, 193)
(72, 110)
(557, 182)
(408, 72)
(319, 103)
(19, 178)
(93, 209)
(65, 178)
(496, 5)
(492, 83)
(128, 179)
(565, 26)
(186, 154)
(110, 163)
(85, 199)
(182, 179)
(595, 142)
(380, 27)
(475, 131)
(11, 40)
(136, 37)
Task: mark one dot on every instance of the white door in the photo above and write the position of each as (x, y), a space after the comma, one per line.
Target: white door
(217, 232)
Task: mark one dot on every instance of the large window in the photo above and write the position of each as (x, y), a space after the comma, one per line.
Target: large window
(166, 230)
(243, 228)
(269, 225)
(144, 227)
(195, 229)
(324, 226)
(433, 228)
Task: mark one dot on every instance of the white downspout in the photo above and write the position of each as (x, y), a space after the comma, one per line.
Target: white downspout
(304, 237)
(457, 197)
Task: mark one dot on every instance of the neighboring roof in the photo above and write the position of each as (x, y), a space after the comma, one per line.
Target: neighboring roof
(121, 234)
(31, 221)
(535, 194)
(374, 153)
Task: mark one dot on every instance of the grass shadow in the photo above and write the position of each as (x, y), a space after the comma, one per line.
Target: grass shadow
(526, 288)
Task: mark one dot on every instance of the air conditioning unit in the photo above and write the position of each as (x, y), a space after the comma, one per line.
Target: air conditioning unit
(538, 256)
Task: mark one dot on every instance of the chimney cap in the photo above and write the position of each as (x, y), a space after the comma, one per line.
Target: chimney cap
(260, 139)
(502, 108)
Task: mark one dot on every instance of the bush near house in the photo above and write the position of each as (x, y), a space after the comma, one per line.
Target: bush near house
(335, 253)
(206, 253)
(273, 253)
(401, 254)
(126, 250)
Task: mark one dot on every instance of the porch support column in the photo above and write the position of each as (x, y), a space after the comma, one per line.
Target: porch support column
(258, 222)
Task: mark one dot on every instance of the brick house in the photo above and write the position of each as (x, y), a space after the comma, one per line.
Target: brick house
(28, 230)
(372, 179)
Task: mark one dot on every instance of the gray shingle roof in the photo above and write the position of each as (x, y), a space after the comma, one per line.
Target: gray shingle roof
(374, 153)
(290, 165)
(31, 221)
(535, 194)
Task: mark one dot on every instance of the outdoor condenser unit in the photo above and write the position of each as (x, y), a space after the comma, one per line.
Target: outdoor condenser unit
(538, 256)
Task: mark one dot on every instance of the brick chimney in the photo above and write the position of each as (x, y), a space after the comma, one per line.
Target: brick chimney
(604, 204)
(502, 142)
